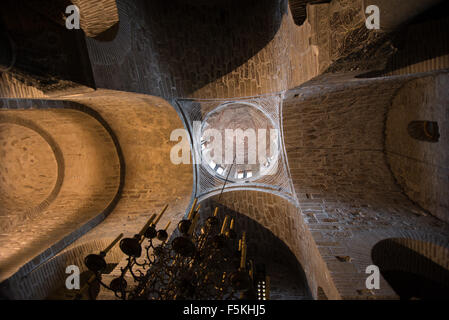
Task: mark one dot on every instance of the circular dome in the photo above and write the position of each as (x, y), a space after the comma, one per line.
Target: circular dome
(247, 139)
(28, 168)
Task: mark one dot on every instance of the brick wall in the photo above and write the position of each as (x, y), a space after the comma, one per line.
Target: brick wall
(98, 17)
(233, 50)
(228, 50)
(421, 168)
(86, 173)
(287, 277)
(141, 126)
(349, 199)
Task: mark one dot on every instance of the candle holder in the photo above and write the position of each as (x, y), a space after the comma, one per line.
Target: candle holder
(200, 263)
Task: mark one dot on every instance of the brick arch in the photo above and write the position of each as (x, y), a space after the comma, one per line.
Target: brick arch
(86, 143)
(282, 217)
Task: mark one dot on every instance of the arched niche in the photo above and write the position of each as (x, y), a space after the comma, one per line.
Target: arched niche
(62, 175)
(414, 269)
(268, 252)
(266, 216)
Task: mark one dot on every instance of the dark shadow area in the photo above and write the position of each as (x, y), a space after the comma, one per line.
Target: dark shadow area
(47, 53)
(7, 52)
(409, 273)
(9, 286)
(411, 286)
(321, 294)
(109, 34)
(199, 42)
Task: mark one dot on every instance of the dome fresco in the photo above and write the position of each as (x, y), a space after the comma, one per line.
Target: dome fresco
(252, 155)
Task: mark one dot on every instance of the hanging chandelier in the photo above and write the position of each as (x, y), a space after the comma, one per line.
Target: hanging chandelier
(207, 262)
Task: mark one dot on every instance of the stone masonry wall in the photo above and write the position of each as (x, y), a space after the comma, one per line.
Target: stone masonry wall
(284, 220)
(349, 199)
(86, 178)
(421, 168)
(142, 126)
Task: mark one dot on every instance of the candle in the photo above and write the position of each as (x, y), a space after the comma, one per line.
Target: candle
(160, 214)
(243, 251)
(216, 212)
(231, 227)
(251, 269)
(145, 227)
(105, 251)
(225, 223)
(194, 222)
(168, 224)
(267, 286)
(192, 209)
(243, 259)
